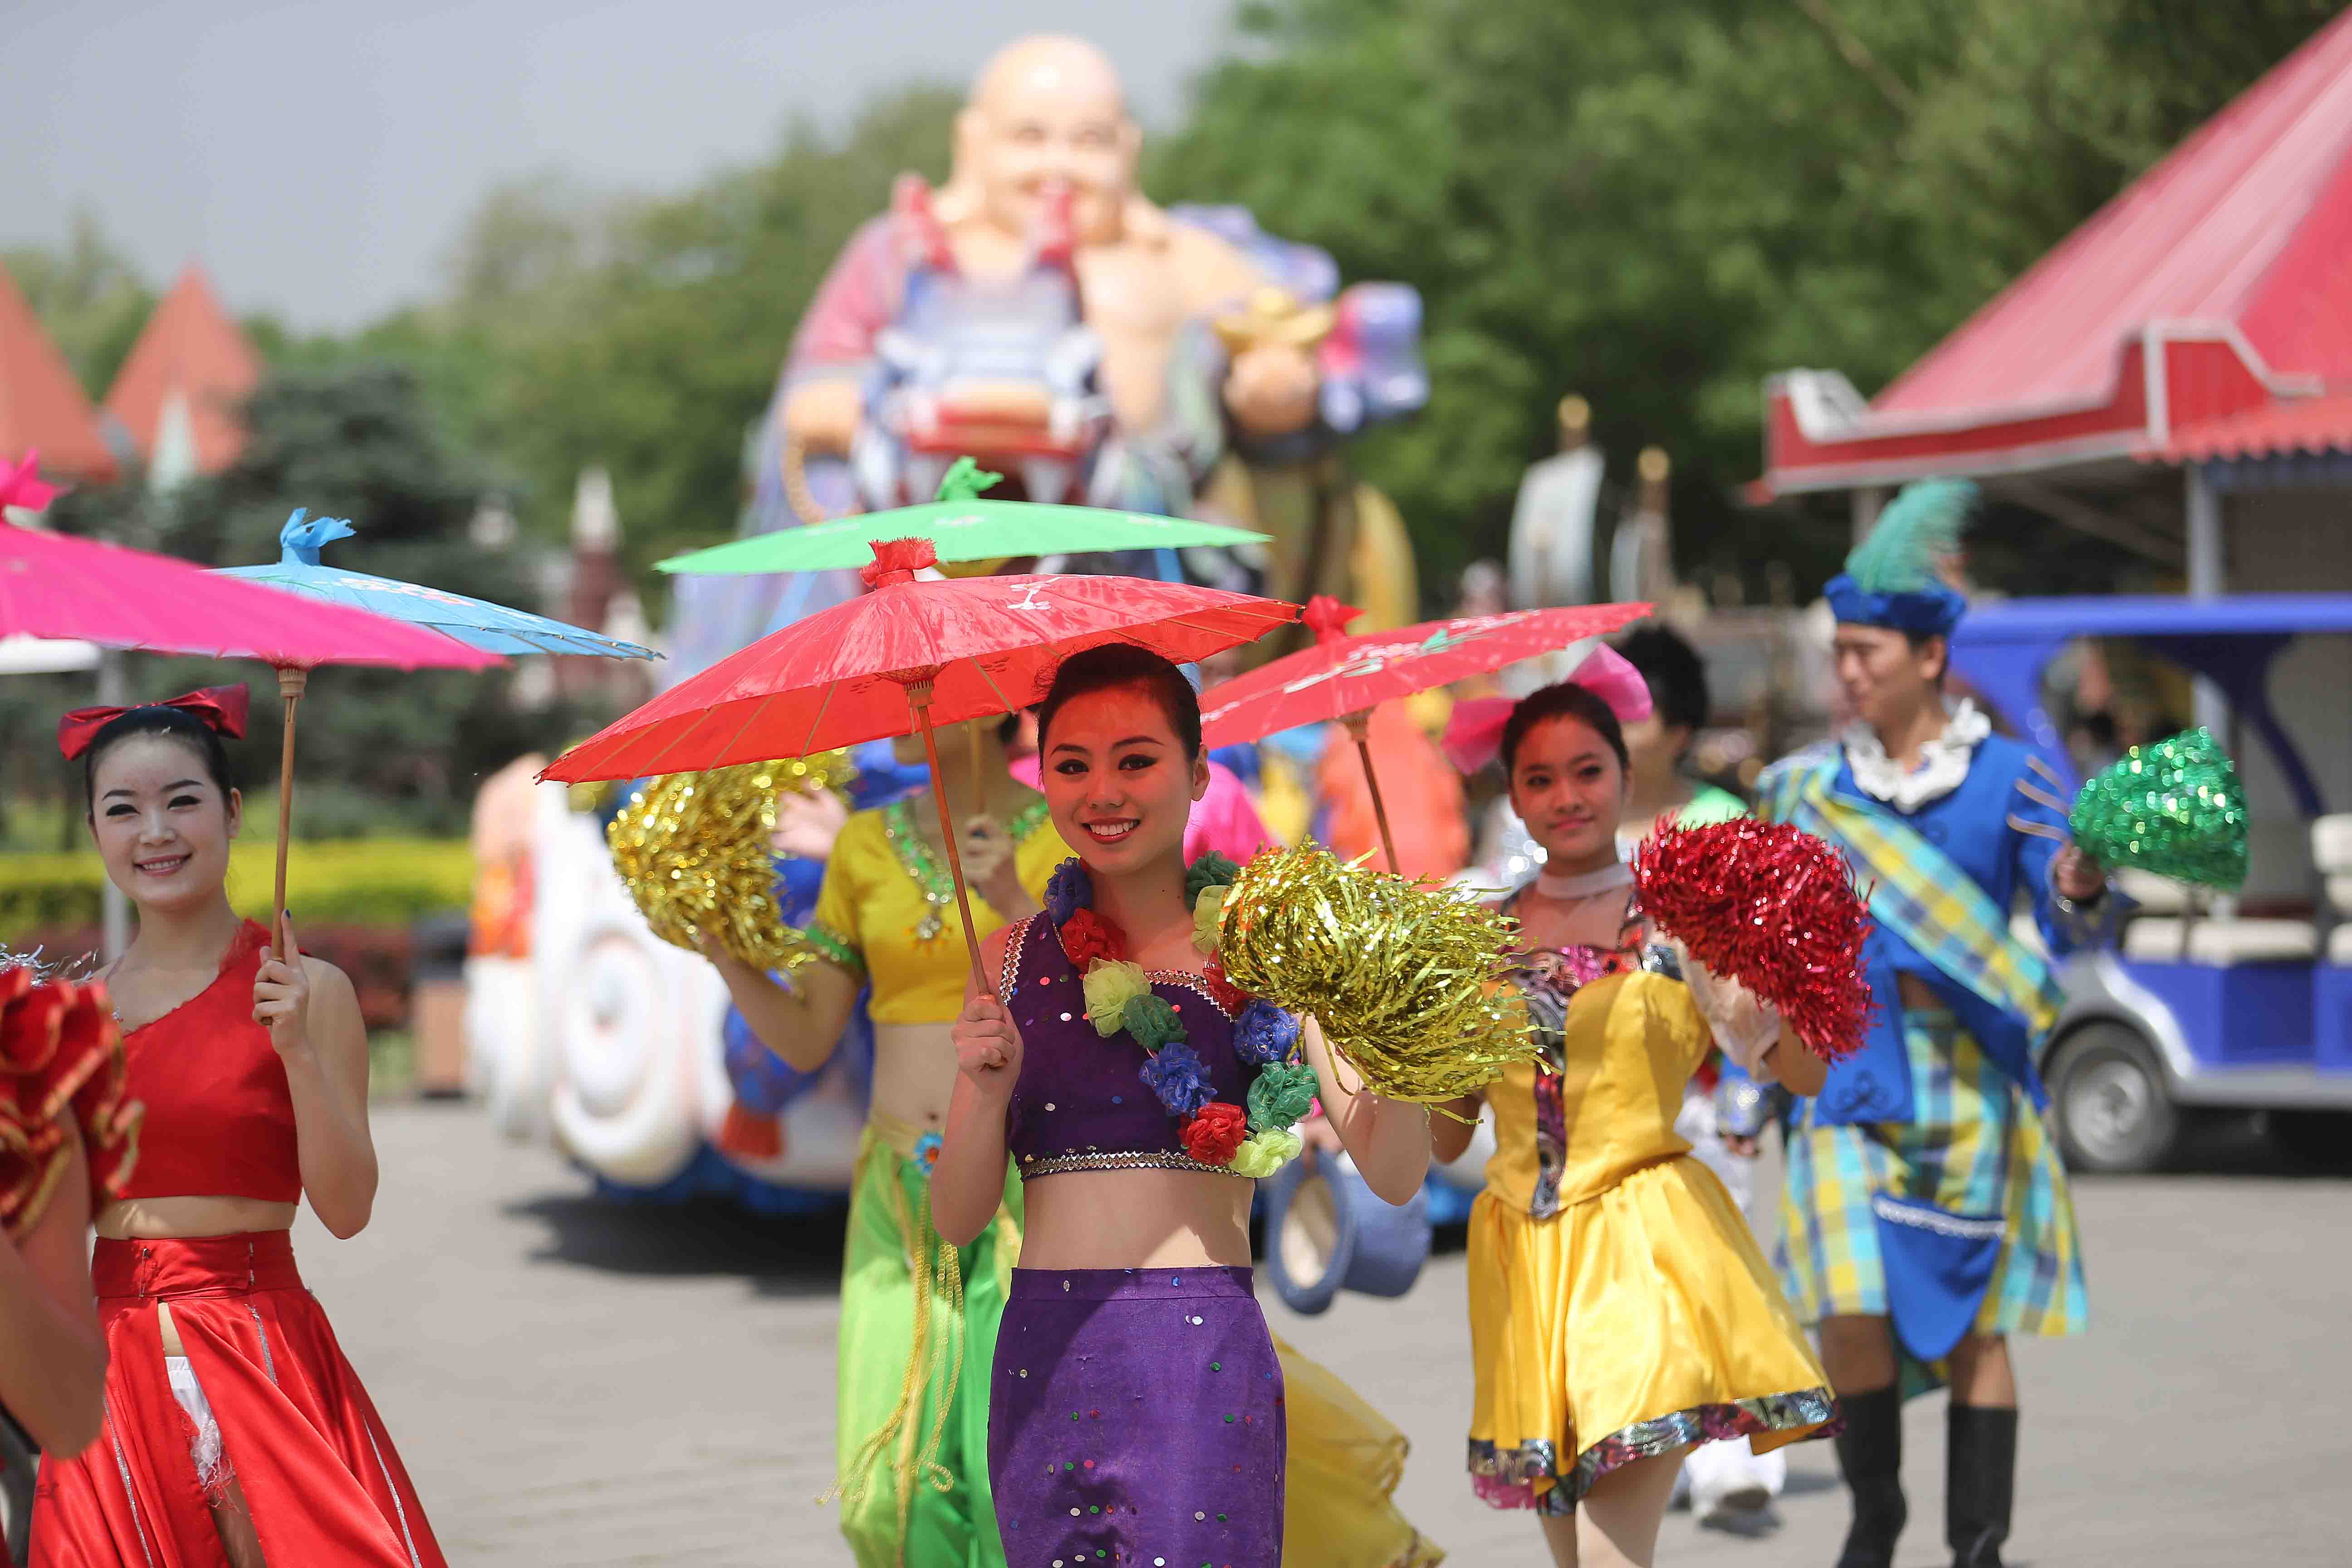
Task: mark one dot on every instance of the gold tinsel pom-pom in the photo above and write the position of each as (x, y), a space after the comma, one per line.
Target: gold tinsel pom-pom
(693, 849)
(1405, 977)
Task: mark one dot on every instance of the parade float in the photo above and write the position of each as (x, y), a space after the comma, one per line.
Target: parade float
(1090, 347)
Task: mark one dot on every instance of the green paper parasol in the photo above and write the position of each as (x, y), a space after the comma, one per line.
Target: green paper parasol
(960, 527)
(2174, 808)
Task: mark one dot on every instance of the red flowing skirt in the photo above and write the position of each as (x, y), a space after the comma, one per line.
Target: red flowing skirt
(321, 1478)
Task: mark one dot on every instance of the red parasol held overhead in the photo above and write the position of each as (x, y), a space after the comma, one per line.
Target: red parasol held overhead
(906, 656)
(1342, 679)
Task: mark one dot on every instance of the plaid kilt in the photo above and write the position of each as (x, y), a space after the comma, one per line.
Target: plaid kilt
(1975, 1145)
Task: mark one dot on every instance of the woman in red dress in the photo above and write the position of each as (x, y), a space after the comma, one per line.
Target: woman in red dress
(234, 1431)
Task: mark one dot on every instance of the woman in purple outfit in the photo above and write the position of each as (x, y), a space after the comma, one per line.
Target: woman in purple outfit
(1135, 1406)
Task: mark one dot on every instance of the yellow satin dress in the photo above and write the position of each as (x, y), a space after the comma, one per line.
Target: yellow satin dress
(1619, 1306)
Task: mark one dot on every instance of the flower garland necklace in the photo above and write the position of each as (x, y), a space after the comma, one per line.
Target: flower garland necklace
(1254, 1141)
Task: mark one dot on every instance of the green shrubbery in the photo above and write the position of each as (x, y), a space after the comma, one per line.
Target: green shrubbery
(368, 881)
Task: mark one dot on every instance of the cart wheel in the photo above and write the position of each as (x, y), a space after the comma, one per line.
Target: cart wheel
(2108, 1095)
(2317, 1142)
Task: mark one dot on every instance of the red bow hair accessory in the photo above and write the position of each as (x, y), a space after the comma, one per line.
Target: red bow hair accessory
(222, 708)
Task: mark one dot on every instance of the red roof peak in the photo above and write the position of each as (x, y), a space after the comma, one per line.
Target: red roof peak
(2216, 231)
(41, 404)
(193, 367)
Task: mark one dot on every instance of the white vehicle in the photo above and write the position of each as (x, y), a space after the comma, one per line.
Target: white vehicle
(611, 1040)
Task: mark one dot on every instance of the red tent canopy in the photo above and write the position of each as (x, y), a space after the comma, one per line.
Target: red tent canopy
(41, 404)
(2206, 311)
(190, 354)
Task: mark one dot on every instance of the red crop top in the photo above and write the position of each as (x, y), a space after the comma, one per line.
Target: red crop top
(220, 1119)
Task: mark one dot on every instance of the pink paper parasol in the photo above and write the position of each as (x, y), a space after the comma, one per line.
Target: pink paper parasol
(58, 585)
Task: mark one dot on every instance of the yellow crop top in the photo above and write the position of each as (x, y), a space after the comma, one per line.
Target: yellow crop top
(888, 908)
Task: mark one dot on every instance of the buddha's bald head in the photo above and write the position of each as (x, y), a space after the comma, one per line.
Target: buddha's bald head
(1051, 63)
(1048, 112)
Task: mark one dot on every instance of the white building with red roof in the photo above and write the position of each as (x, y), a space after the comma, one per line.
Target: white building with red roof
(2182, 361)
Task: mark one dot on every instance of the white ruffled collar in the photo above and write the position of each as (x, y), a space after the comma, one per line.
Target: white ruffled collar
(1943, 761)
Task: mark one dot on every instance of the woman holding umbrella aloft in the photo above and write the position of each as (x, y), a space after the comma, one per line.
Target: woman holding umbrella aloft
(928, 657)
(910, 1301)
(253, 1071)
(1135, 1398)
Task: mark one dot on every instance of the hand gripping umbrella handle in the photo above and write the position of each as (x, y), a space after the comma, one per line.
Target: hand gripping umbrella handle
(919, 698)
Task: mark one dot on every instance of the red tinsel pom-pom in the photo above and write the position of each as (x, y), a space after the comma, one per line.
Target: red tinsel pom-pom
(1086, 936)
(1771, 906)
(1215, 1132)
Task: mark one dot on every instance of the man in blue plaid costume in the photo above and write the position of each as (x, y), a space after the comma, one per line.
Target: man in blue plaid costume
(1926, 1216)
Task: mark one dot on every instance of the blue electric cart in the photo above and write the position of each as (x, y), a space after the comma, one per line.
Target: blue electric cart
(2188, 1013)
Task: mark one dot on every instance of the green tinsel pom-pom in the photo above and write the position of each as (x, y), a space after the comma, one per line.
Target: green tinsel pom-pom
(2174, 808)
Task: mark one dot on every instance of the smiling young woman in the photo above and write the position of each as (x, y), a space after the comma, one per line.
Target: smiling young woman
(1620, 1311)
(1137, 1401)
(234, 1427)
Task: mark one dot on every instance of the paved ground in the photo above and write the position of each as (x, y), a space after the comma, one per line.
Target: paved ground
(575, 1385)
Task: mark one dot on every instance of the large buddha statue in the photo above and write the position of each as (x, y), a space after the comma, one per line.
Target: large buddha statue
(1038, 312)
(1043, 181)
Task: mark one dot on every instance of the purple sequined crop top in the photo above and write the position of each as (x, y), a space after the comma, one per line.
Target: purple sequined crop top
(1080, 1103)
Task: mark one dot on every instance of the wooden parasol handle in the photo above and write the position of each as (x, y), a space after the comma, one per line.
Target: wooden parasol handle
(978, 770)
(291, 683)
(1359, 729)
(919, 698)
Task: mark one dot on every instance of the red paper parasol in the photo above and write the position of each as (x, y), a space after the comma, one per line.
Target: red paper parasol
(1341, 678)
(904, 657)
(57, 585)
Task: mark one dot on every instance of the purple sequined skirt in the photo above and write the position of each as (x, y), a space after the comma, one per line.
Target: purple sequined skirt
(1136, 1418)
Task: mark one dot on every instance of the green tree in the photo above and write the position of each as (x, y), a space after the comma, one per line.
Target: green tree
(1660, 205)
(381, 752)
(642, 334)
(89, 297)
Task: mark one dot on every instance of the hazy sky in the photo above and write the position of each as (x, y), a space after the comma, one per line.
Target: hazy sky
(318, 158)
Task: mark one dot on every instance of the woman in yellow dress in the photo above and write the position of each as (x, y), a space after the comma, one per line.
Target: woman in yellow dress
(1620, 1311)
(919, 1316)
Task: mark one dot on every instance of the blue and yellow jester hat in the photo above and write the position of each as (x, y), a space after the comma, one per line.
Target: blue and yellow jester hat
(1890, 579)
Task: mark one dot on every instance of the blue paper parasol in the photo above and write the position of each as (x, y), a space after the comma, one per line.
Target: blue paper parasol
(476, 623)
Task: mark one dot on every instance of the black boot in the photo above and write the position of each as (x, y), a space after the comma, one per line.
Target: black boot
(1979, 1480)
(1869, 1452)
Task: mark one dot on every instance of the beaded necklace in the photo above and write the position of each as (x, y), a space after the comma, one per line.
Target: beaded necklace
(1255, 1139)
(915, 857)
